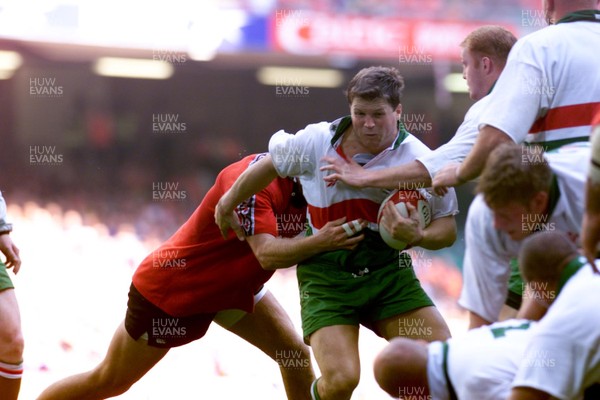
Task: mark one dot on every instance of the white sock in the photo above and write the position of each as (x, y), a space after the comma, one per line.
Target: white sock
(11, 371)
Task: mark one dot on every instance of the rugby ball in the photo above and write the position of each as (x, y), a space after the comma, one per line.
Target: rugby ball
(400, 198)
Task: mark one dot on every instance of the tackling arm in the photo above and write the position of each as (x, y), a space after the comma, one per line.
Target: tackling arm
(250, 182)
(274, 253)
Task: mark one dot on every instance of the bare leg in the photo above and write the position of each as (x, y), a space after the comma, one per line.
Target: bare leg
(270, 329)
(125, 363)
(336, 351)
(11, 342)
(423, 323)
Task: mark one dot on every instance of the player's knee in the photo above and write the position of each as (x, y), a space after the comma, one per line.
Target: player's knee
(341, 383)
(11, 345)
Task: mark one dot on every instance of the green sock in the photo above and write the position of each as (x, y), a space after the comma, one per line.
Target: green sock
(314, 393)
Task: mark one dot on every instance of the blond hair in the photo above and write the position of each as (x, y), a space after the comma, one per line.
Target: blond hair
(490, 41)
(514, 173)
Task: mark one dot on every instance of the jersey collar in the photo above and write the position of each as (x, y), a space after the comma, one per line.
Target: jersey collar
(583, 15)
(571, 269)
(338, 127)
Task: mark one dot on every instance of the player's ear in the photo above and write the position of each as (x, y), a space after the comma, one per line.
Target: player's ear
(398, 111)
(487, 64)
(539, 202)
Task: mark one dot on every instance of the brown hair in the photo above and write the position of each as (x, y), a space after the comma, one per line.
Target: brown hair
(514, 173)
(490, 41)
(376, 83)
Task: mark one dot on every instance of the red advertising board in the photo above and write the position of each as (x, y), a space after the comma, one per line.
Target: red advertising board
(310, 33)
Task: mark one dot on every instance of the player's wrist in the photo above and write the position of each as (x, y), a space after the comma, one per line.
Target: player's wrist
(365, 179)
(417, 238)
(459, 179)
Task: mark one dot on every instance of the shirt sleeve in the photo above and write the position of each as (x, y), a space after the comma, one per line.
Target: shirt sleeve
(2, 208)
(443, 206)
(552, 365)
(485, 268)
(460, 144)
(520, 95)
(296, 155)
(256, 215)
(563, 355)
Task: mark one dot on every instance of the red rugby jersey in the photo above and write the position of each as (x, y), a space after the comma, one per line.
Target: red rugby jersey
(197, 271)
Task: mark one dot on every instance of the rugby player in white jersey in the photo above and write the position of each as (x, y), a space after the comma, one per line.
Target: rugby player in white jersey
(555, 358)
(483, 55)
(521, 190)
(548, 92)
(372, 285)
(562, 359)
(479, 365)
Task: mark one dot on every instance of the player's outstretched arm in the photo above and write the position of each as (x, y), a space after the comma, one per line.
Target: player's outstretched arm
(275, 253)
(11, 252)
(251, 181)
(437, 235)
(456, 174)
(353, 174)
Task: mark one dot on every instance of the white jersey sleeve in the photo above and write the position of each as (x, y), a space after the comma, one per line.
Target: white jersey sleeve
(460, 145)
(520, 95)
(563, 355)
(443, 206)
(2, 208)
(296, 154)
(484, 362)
(486, 267)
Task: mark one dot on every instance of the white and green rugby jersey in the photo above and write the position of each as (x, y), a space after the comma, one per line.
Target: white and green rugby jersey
(549, 90)
(563, 355)
(481, 364)
(486, 266)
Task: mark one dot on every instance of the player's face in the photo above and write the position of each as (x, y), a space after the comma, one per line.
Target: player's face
(374, 123)
(473, 72)
(518, 220)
